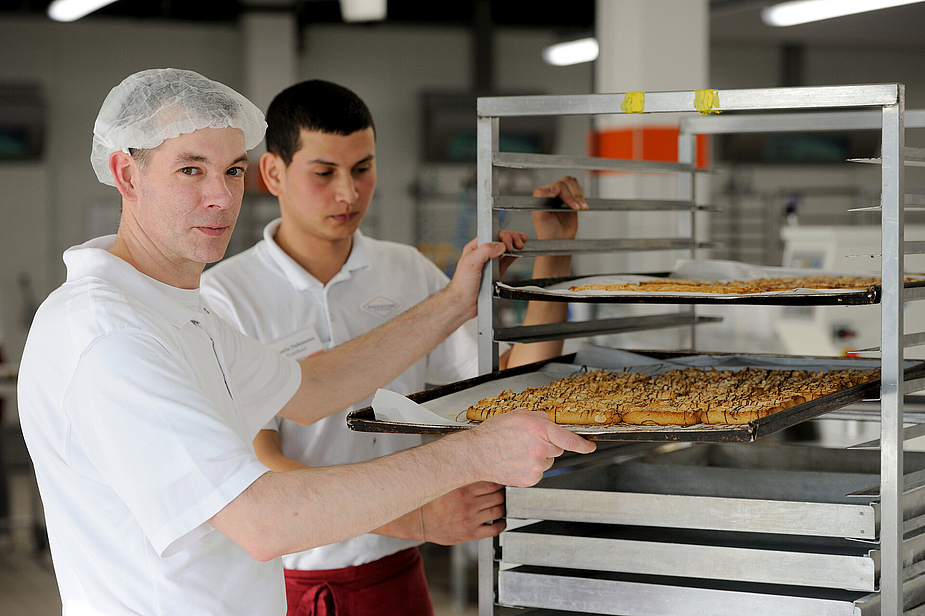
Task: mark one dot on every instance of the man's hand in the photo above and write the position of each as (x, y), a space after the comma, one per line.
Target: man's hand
(516, 448)
(512, 240)
(549, 225)
(468, 273)
(561, 225)
(465, 514)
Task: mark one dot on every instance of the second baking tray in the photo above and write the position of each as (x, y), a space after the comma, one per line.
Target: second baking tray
(365, 420)
(551, 289)
(707, 270)
(771, 489)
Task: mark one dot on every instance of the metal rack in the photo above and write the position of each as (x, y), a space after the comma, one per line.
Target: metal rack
(893, 567)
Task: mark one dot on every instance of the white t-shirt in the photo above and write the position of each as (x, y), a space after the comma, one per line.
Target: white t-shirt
(269, 296)
(139, 407)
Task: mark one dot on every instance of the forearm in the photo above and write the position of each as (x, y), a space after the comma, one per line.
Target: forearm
(354, 370)
(270, 453)
(283, 513)
(552, 266)
(407, 526)
(541, 313)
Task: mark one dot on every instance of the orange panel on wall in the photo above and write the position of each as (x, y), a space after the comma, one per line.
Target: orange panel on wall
(655, 143)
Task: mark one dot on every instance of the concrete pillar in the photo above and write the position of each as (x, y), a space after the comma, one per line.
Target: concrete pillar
(270, 55)
(645, 46)
(270, 65)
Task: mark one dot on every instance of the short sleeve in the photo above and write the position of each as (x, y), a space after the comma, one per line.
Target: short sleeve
(262, 379)
(273, 424)
(172, 454)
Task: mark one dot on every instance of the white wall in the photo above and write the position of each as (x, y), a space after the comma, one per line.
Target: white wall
(76, 65)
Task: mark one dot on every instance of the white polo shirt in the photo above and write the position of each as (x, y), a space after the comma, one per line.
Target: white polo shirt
(139, 407)
(269, 296)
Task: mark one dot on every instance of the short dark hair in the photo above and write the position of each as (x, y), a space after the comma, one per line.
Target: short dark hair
(314, 105)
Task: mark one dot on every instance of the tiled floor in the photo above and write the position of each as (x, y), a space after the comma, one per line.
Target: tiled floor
(27, 582)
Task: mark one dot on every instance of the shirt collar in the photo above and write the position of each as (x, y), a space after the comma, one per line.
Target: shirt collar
(296, 274)
(93, 259)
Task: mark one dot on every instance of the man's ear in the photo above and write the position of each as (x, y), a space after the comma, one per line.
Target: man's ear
(272, 171)
(125, 173)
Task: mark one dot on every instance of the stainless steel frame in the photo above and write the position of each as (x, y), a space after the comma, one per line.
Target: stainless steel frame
(834, 108)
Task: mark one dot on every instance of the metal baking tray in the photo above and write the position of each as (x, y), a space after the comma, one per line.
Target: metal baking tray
(848, 297)
(364, 420)
(745, 557)
(758, 488)
(570, 592)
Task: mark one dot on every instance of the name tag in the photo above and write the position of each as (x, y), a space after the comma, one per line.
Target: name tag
(298, 346)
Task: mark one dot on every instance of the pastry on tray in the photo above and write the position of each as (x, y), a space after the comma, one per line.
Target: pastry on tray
(675, 398)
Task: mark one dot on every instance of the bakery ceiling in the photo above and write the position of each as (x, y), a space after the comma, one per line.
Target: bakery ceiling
(730, 20)
(456, 12)
(896, 27)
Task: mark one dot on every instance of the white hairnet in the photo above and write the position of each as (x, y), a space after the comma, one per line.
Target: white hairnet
(157, 104)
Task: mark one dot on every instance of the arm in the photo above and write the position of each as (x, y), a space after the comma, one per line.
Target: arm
(283, 513)
(354, 370)
(459, 516)
(549, 225)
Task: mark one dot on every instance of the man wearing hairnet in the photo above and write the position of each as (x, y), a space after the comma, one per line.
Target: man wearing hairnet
(139, 406)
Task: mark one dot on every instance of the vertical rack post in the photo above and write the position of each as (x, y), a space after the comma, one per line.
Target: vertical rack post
(487, 231)
(891, 349)
(687, 224)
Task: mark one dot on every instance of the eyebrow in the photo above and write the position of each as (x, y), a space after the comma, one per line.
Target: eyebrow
(321, 161)
(198, 158)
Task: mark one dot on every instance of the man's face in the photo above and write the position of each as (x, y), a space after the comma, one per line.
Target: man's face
(190, 195)
(326, 189)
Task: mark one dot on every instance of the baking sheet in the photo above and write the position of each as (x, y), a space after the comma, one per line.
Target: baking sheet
(696, 269)
(442, 410)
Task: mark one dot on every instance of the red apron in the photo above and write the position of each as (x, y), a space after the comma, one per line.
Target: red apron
(391, 586)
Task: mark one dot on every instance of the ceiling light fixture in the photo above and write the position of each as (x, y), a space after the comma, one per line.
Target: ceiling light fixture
(362, 10)
(71, 10)
(805, 11)
(572, 52)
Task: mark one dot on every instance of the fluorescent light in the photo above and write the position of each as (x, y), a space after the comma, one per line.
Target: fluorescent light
(70, 10)
(805, 11)
(572, 52)
(363, 10)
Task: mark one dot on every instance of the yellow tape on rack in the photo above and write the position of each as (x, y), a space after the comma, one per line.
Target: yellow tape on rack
(705, 101)
(634, 102)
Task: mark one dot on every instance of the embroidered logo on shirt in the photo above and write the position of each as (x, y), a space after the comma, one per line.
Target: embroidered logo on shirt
(382, 307)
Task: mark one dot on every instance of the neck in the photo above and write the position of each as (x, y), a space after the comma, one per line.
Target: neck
(145, 258)
(319, 257)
